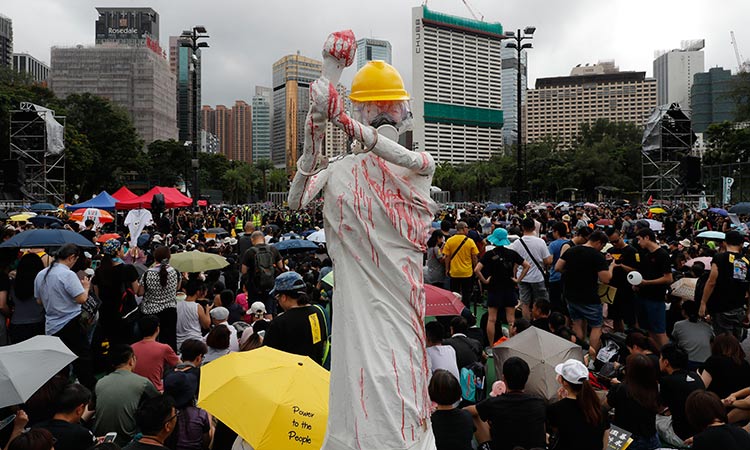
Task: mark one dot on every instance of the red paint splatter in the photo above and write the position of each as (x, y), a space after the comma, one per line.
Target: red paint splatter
(362, 390)
(342, 45)
(398, 389)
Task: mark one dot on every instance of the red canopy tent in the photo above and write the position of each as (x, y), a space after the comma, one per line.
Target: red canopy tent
(172, 199)
(124, 194)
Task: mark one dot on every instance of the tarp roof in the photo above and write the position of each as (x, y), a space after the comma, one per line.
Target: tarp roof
(172, 199)
(124, 194)
(101, 201)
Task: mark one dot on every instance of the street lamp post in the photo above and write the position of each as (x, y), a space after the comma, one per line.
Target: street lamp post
(519, 37)
(190, 40)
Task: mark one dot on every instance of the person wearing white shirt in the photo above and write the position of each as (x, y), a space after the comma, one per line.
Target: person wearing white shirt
(440, 356)
(219, 318)
(535, 251)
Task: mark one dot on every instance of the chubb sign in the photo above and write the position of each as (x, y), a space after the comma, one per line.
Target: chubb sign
(122, 31)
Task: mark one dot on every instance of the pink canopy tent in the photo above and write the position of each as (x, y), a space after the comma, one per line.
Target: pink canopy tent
(172, 199)
(124, 194)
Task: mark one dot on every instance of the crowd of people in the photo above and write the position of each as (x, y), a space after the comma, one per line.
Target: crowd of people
(595, 276)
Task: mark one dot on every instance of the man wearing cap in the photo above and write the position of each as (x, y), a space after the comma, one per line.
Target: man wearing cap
(583, 266)
(726, 293)
(500, 264)
(301, 328)
(460, 259)
(219, 318)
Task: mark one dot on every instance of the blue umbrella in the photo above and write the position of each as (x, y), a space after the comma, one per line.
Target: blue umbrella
(42, 221)
(46, 238)
(495, 207)
(719, 211)
(37, 207)
(295, 246)
(740, 208)
(711, 235)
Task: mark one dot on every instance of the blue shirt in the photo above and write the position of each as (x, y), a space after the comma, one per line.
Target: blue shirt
(57, 293)
(554, 250)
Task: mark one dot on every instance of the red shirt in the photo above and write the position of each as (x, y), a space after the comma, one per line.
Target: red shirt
(150, 359)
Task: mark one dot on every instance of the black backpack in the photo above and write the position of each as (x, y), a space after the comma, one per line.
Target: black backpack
(264, 271)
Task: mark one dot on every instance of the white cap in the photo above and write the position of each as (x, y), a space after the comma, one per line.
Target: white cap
(220, 313)
(258, 307)
(573, 371)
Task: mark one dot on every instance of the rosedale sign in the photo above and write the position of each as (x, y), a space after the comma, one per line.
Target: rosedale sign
(122, 30)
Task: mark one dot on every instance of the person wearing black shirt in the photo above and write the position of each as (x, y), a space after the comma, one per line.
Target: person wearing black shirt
(726, 371)
(301, 329)
(621, 311)
(540, 314)
(636, 402)
(452, 427)
(89, 233)
(156, 419)
(656, 270)
(724, 296)
(501, 264)
(65, 425)
(248, 269)
(111, 280)
(583, 266)
(468, 350)
(516, 419)
(705, 412)
(577, 419)
(674, 387)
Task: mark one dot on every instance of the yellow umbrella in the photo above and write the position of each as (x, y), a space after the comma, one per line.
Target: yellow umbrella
(657, 211)
(289, 394)
(23, 217)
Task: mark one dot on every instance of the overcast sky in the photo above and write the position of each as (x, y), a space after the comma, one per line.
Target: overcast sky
(247, 36)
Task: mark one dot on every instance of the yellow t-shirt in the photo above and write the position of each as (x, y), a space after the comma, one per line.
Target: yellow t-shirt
(461, 266)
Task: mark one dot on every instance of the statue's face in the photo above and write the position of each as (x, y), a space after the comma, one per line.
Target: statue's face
(396, 113)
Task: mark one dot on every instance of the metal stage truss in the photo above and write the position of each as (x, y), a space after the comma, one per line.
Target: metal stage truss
(44, 174)
(667, 139)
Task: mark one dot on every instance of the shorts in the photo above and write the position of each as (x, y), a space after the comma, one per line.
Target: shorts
(622, 309)
(503, 298)
(532, 291)
(651, 314)
(730, 322)
(590, 313)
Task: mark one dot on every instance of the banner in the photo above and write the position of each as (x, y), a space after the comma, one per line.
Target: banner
(702, 202)
(726, 190)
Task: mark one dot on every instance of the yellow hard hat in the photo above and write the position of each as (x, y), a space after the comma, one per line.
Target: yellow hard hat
(378, 81)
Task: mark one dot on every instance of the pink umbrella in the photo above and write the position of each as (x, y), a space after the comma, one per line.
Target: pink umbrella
(590, 205)
(706, 260)
(441, 302)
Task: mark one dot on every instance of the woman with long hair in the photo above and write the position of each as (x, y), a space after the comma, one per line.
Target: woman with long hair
(434, 271)
(706, 413)
(636, 402)
(726, 371)
(115, 284)
(577, 418)
(158, 286)
(28, 315)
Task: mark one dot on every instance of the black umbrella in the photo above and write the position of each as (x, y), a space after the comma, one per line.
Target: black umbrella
(46, 238)
(43, 221)
(740, 208)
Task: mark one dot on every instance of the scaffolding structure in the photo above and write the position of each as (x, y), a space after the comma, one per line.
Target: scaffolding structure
(44, 174)
(668, 138)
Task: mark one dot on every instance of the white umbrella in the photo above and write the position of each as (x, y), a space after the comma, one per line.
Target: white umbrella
(684, 288)
(319, 237)
(655, 225)
(542, 351)
(26, 366)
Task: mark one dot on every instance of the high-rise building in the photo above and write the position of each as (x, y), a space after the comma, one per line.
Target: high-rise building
(128, 26)
(182, 66)
(292, 76)
(337, 141)
(674, 71)
(135, 78)
(242, 132)
(262, 123)
(223, 121)
(710, 98)
(557, 106)
(510, 92)
(457, 71)
(25, 63)
(209, 142)
(6, 41)
(369, 49)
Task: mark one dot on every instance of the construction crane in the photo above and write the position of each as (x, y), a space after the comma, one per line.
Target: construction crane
(741, 65)
(475, 14)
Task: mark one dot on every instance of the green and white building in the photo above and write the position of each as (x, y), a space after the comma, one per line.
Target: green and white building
(456, 92)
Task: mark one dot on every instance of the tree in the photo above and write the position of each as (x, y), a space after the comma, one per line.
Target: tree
(213, 166)
(278, 180)
(264, 165)
(114, 142)
(726, 144)
(168, 162)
